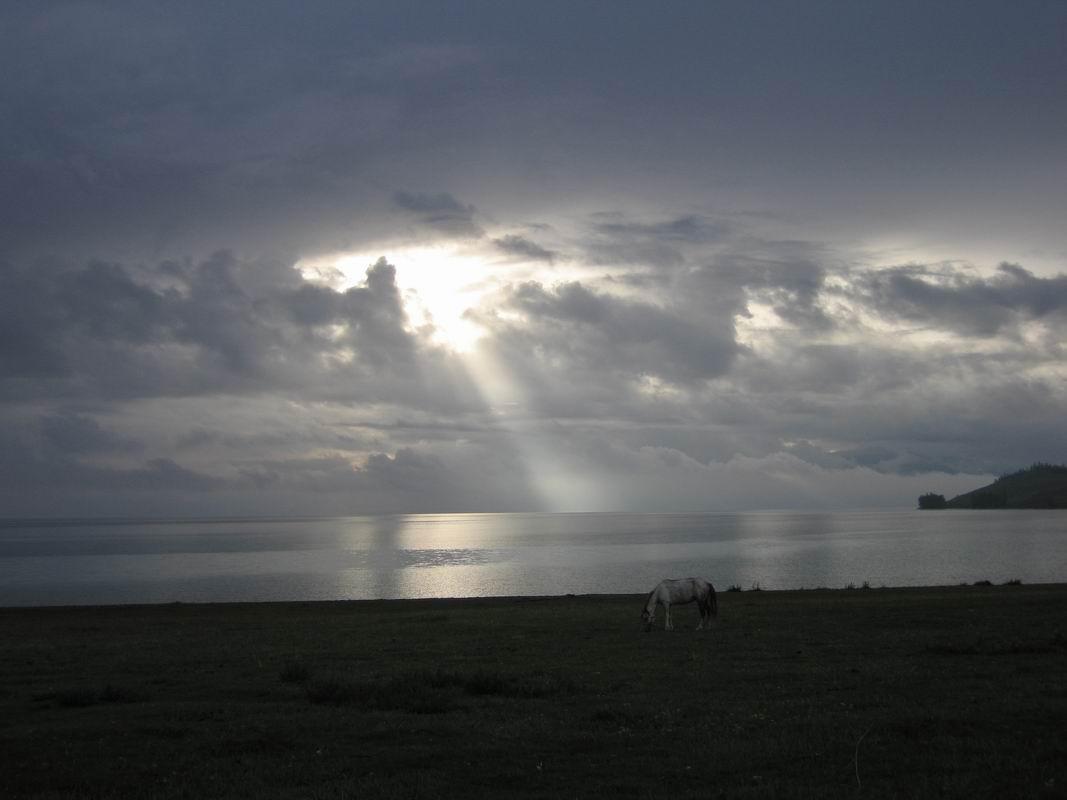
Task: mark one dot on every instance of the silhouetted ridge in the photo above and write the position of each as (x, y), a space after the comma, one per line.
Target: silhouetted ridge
(1038, 486)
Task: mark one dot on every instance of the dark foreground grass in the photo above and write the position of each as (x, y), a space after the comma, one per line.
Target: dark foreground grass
(883, 693)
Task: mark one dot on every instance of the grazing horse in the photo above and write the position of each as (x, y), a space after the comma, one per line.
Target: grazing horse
(676, 592)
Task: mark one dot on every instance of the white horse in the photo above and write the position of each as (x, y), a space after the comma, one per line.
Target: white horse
(677, 592)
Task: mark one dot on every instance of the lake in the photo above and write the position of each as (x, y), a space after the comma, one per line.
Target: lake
(81, 562)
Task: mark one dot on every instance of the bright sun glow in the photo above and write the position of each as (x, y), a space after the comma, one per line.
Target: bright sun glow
(438, 284)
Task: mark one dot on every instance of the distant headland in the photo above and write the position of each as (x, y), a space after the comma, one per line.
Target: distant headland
(1038, 486)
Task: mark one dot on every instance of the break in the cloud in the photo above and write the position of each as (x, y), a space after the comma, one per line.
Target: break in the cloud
(362, 258)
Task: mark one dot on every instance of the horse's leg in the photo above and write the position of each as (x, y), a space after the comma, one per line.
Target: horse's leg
(668, 626)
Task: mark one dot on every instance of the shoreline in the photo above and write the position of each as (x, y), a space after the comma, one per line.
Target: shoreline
(503, 599)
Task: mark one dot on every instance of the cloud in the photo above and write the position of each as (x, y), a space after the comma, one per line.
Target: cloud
(523, 248)
(441, 212)
(614, 238)
(229, 377)
(711, 219)
(442, 478)
(689, 229)
(27, 313)
(570, 329)
(790, 282)
(41, 482)
(140, 134)
(70, 432)
(971, 306)
(218, 326)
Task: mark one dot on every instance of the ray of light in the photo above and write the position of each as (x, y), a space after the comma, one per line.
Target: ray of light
(439, 284)
(555, 474)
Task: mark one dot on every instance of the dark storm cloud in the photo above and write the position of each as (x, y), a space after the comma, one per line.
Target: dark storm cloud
(26, 312)
(973, 306)
(822, 368)
(716, 266)
(51, 466)
(216, 326)
(103, 301)
(98, 322)
(312, 305)
(405, 472)
(688, 229)
(641, 280)
(29, 474)
(409, 480)
(615, 238)
(521, 247)
(442, 212)
(182, 129)
(875, 403)
(158, 474)
(186, 128)
(898, 459)
(903, 410)
(265, 440)
(428, 429)
(595, 332)
(792, 286)
(78, 433)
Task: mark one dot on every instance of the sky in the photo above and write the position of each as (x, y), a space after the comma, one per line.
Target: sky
(262, 258)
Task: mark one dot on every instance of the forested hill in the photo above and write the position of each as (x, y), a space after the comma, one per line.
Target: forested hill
(1040, 486)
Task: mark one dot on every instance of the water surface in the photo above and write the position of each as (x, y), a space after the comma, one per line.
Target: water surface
(465, 555)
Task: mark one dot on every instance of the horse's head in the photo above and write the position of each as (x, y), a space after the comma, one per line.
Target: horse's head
(646, 618)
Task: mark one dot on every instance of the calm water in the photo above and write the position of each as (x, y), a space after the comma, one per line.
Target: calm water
(460, 555)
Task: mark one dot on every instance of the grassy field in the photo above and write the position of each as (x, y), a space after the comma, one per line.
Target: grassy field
(887, 692)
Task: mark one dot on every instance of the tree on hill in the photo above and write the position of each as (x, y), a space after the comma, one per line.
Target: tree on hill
(932, 501)
(1038, 468)
(1038, 486)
